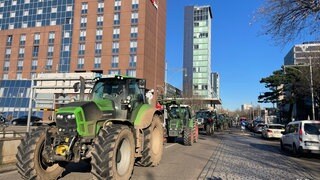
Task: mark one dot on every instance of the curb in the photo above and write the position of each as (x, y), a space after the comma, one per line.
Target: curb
(7, 167)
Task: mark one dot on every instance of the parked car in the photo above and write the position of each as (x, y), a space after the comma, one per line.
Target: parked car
(206, 121)
(258, 128)
(301, 137)
(23, 120)
(272, 131)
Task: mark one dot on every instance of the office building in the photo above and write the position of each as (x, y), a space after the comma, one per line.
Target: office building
(301, 53)
(110, 37)
(197, 51)
(124, 37)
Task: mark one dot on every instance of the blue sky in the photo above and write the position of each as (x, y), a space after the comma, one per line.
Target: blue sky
(239, 54)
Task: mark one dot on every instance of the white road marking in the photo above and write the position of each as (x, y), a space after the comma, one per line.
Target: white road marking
(170, 145)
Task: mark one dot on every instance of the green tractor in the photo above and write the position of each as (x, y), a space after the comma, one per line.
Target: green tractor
(180, 123)
(113, 131)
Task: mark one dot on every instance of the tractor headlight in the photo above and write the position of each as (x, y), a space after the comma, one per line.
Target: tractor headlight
(71, 116)
(59, 116)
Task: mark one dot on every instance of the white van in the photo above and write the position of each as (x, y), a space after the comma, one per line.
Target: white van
(301, 137)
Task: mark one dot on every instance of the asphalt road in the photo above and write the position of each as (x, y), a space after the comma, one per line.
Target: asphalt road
(228, 155)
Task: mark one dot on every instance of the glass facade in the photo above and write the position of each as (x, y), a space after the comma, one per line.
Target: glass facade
(197, 51)
(14, 98)
(35, 13)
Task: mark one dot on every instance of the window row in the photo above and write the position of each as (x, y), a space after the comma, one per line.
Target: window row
(116, 20)
(100, 9)
(115, 34)
(114, 62)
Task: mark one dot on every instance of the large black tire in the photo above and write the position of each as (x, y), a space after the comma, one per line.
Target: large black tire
(30, 164)
(188, 136)
(282, 146)
(153, 144)
(113, 153)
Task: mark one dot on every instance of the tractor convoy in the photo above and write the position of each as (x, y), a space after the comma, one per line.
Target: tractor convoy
(113, 130)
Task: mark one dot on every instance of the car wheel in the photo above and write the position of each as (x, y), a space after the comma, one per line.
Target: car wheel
(281, 146)
(295, 151)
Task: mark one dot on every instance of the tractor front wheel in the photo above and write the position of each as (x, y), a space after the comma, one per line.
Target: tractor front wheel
(113, 153)
(30, 163)
(153, 143)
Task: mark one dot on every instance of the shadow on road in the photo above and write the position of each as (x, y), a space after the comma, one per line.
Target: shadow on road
(82, 167)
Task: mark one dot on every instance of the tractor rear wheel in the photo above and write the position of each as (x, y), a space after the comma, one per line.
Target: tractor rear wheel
(113, 153)
(188, 136)
(153, 143)
(30, 163)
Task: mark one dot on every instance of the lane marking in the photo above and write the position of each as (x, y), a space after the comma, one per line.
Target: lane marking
(170, 145)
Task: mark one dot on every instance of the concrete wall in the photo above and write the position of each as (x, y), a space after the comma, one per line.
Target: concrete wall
(8, 150)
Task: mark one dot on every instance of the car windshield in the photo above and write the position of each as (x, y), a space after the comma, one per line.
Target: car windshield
(276, 127)
(202, 114)
(312, 128)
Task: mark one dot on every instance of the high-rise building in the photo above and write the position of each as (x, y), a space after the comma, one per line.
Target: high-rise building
(302, 53)
(197, 51)
(105, 36)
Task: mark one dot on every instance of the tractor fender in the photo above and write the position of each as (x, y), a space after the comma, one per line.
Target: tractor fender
(145, 115)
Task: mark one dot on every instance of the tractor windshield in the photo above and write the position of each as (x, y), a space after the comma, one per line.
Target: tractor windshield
(108, 89)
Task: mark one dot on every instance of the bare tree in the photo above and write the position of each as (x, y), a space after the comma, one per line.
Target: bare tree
(285, 20)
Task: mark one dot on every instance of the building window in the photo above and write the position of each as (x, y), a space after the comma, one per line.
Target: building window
(9, 40)
(1, 4)
(69, 8)
(100, 7)
(34, 64)
(12, 14)
(50, 51)
(82, 49)
(116, 33)
(116, 19)
(114, 72)
(83, 34)
(14, 2)
(24, 25)
(117, 5)
(66, 48)
(19, 76)
(36, 38)
(131, 72)
(20, 65)
(115, 47)
(99, 33)
(1, 15)
(84, 8)
(54, 10)
(35, 51)
(26, 1)
(134, 18)
(39, 11)
(21, 52)
(22, 39)
(98, 48)
(53, 23)
(11, 26)
(97, 62)
(8, 53)
(80, 63)
(26, 13)
(115, 61)
(49, 64)
(51, 37)
(133, 61)
(100, 20)
(133, 46)
(134, 32)
(66, 34)
(38, 24)
(6, 65)
(135, 4)
(5, 76)
(68, 21)
(83, 22)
